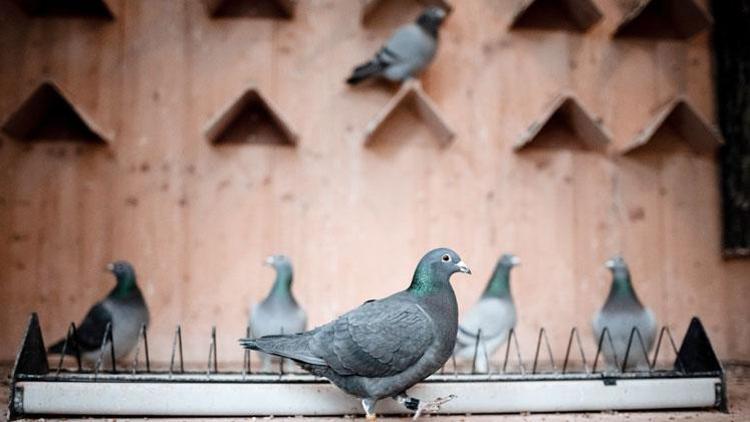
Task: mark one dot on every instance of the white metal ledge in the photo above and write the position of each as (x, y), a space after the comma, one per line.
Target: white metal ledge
(317, 398)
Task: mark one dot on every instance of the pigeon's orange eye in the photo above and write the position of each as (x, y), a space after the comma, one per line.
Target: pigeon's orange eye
(446, 258)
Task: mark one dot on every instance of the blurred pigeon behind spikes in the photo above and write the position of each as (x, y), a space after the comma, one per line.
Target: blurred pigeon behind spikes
(385, 346)
(409, 50)
(621, 312)
(278, 313)
(126, 311)
(494, 314)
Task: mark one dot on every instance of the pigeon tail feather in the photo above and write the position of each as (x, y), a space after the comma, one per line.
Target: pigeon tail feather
(293, 347)
(365, 71)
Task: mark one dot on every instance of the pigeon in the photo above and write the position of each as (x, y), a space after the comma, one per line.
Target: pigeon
(494, 314)
(621, 312)
(409, 50)
(385, 346)
(123, 308)
(278, 313)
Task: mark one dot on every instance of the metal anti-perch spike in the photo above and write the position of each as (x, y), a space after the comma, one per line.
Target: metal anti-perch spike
(512, 335)
(665, 329)
(543, 335)
(212, 354)
(142, 335)
(476, 350)
(176, 345)
(106, 337)
(574, 333)
(69, 338)
(635, 331)
(611, 346)
(246, 364)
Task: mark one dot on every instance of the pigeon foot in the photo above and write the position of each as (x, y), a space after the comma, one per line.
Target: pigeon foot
(431, 406)
(419, 407)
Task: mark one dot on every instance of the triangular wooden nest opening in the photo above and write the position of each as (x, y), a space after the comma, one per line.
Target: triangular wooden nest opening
(269, 9)
(66, 8)
(49, 115)
(679, 19)
(700, 135)
(370, 6)
(411, 93)
(566, 107)
(577, 15)
(250, 118)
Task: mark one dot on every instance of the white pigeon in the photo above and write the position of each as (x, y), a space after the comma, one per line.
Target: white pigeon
(621, 312)
(494, 314)
(278, 313)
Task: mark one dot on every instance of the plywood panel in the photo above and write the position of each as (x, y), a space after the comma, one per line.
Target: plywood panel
(197, 220)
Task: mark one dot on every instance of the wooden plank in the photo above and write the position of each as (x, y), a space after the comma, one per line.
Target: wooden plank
(197, 220)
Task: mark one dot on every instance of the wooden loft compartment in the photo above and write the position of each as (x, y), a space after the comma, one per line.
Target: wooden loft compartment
(563, 116)
(269, 9)
(98, 9)
(48, 114)
(369, 7)
(250, 118)
(574, 15)
(685, 121)
(411, 94)
(676, 19)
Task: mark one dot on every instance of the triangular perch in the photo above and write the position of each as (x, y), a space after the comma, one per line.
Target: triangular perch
(582, 14)
(411, 90)
(66, 8)
(273, 8)
(584, 125)
(686, 121)
(238, 120)
(369, 6)
(679, 19)
(48, 114)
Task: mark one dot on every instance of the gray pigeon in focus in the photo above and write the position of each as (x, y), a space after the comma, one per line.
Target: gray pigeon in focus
(494, 314)
(409, 50)
(385, 346)
(123, 308)
(278, 313)
(621, 312)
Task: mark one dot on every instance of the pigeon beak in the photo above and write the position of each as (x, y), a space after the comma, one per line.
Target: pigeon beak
(610, 264)
(110, 267)
(268, 261)
(463, 267)
(515, 260)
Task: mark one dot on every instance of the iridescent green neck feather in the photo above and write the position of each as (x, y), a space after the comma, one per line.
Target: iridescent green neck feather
(622, 288)
(499, 284)
(283, 283)
(424, 281)
(125, 284)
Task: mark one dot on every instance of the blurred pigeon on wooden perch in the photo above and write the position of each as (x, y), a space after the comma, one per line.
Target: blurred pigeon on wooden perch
(494, 314)
(278, 313)
(621, 313)
(409, 50)
(385, 346)
(123, 309)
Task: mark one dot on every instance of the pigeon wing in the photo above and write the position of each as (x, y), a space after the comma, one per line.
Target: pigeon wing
(378, 339)
(408, 43)
(91, 331)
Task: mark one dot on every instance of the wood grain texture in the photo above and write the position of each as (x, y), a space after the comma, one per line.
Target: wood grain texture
(197, 220)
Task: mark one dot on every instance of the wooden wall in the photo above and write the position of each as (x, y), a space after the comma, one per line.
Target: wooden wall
(198, 219)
